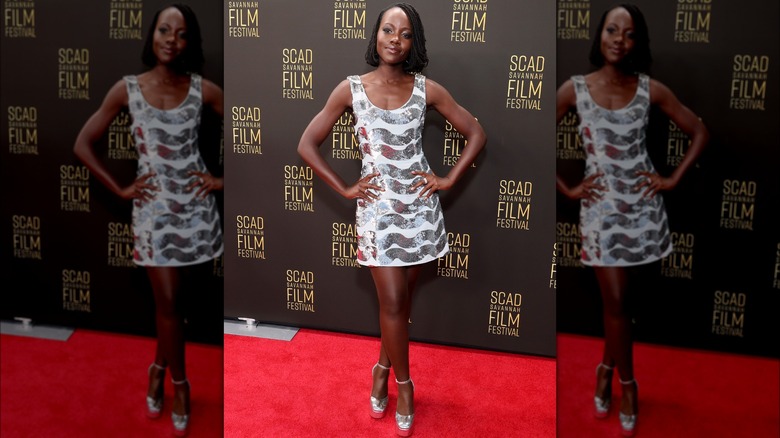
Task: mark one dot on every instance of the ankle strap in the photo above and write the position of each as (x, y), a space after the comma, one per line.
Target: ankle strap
(180, 382)
(154, 364)
(404, 382)
(627, 382)
(382, 366)
(603, 365)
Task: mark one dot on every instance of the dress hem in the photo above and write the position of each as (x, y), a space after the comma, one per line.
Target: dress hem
(629, 264)
(427, 259)
(180, 264)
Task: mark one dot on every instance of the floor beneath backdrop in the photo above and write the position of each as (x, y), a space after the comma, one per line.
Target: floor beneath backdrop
(94, 385)
(307, 383)
(318, 385)
(682, 392)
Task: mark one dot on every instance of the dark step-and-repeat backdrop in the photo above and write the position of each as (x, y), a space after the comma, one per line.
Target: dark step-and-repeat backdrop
(290, 240)
(66, 240)
(720, 288)
(290, 257)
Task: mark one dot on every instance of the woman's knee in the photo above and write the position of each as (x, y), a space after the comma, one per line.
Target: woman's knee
(165, 284)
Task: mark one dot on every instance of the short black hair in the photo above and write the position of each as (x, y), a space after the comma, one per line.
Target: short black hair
(418, 56)
(639, 60)
(189, 61)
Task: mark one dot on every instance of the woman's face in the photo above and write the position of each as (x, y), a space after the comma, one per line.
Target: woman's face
(394, 38)
(170, 35)
(617, 36)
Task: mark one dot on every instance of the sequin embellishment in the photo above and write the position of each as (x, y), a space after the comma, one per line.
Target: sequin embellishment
(399, 228)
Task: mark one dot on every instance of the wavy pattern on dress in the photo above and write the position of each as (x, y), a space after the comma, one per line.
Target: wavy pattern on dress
(635, 222)
(635, 249)
(401, 222)
(190, 257)
(623, 227)
(175, 228)
(405, 249)
(399, 228)
(184, 217)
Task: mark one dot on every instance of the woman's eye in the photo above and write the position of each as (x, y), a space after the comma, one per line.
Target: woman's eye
(408, 36)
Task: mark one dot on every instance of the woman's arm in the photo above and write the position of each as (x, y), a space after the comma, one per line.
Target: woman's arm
(688, 122)
(565, 100)
(314, 135)
(93, 130)
(461, 119)
(213, 98)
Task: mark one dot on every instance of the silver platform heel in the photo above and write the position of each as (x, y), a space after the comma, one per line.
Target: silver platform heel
(181, 422)
(628, 421)
(602, 405)
(378, 405)
(154, 404)
(403, 423)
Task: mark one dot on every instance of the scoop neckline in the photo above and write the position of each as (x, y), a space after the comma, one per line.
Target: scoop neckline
(181, 104)
(414, 83)
(626, 106)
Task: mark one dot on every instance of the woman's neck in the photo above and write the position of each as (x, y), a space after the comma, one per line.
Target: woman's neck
(390, 73)
(166, 75)
(613, 75)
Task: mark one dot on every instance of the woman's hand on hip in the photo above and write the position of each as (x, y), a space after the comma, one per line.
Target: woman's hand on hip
(430, 183)
(588, 189)
(140, 189)
(205, 183)
(653, 183)
(364, 189)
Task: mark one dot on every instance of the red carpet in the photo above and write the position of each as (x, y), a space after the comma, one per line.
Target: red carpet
(318, 385)
(682, 393)
(94, 385)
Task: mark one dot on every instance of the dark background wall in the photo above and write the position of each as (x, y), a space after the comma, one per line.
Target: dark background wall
(66, 240)
(720, 289)
(290, 238)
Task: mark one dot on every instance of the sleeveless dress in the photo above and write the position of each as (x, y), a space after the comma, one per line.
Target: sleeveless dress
(622, 228)
(399, 228)
(176, 228)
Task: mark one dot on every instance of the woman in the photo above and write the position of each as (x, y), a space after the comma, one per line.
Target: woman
(175, 218)
(622, 215)
(399, 218)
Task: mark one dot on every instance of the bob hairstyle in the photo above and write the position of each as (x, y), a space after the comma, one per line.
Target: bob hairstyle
(191, 59)
(418, 56)
(639, 59)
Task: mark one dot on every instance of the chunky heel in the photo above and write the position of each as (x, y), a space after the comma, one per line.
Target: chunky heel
(181, 422)
(404, 423)
(154, 401)
(378, 405)
(602, 403)
(628, 421)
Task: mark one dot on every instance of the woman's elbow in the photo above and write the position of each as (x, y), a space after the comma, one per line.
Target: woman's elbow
(79, 150)
(301, 149)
